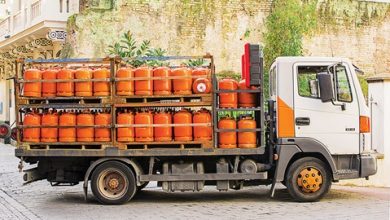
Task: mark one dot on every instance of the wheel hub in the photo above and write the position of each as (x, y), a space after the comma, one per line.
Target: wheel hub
(309, 180)
(112, 184)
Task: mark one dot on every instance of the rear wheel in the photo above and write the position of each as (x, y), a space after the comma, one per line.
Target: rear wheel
(308, 179)
(113, 183)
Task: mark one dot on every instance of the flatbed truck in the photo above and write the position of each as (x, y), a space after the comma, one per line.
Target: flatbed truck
(312, 131)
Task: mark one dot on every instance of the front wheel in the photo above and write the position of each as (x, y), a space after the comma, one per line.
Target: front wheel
(308, 179)
(113, 183)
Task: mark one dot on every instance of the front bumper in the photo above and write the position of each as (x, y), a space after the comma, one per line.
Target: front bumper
(368, 164)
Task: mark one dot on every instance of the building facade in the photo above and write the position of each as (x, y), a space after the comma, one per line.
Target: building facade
(29, 29)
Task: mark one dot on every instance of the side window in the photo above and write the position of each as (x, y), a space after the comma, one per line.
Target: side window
(307, 80)
(272, 83)
(342, 84)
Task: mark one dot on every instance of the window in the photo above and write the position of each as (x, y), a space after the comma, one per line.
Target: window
(272, 83)
(342, 84)
(307, 80)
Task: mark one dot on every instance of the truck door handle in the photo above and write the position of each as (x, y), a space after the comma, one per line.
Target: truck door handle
(302, 121)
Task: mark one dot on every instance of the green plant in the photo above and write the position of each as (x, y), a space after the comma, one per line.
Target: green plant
(194, 63)
(229, 74)
(128, 48)
(288, 22)
(286, 25)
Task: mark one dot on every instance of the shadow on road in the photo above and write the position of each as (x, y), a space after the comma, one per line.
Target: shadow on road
(159, 196)
(209, 196)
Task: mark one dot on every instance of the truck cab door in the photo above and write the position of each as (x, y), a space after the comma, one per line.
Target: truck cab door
(326, 122)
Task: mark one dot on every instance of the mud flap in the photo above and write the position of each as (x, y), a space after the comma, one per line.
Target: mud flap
(285, 153)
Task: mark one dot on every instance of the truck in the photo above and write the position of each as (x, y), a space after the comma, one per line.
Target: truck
(313, 130)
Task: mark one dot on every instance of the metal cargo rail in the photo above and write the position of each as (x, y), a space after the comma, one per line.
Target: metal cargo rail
(114, 102)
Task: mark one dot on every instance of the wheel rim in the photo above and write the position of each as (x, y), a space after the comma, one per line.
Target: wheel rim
(309, 180)
(112, 184)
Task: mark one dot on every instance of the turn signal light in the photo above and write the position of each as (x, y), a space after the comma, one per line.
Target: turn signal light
(364, 124)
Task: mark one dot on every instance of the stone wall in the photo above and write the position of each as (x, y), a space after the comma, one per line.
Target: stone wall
(180, 27)
(355, 29)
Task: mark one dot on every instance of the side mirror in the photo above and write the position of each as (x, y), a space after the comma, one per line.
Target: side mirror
(326, 87)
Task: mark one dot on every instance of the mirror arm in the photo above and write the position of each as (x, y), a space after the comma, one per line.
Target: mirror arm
(342, 105)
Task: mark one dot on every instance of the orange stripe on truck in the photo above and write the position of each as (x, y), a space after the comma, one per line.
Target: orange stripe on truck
(285, 115)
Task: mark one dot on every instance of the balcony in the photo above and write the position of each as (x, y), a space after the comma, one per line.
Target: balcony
(33, 15)
(5, 27)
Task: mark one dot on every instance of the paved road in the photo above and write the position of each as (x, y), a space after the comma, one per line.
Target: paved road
(41, 201)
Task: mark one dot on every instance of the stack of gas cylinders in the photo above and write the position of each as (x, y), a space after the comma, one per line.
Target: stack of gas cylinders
(67, 126)
(233, 139)
(241, 139)
(65, 87)
(164, 125)
(236, 99)
(185, 81)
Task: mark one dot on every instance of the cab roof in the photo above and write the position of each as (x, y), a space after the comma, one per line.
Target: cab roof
(293, 59)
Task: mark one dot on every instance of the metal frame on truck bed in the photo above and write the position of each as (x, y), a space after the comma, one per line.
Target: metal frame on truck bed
(113, 102)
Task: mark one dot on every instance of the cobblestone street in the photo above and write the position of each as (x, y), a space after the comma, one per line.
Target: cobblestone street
(41, 201)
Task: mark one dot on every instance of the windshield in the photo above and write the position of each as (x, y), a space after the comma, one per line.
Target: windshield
(362, 81)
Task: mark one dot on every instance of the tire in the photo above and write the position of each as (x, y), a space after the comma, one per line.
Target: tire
(113, 183)
(142, 186)
(304, 177)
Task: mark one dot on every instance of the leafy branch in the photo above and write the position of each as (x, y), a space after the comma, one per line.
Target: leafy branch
(128, 48)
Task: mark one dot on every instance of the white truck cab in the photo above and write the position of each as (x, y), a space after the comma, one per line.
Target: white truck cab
(321, 110)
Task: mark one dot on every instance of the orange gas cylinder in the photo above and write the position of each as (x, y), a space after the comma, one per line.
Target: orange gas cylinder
(125, 88)
(247, 139)
(65, 88)
(143, 87)
(32, 89)
(143, 133)
(101, 88)
(162, 87)
(125, 134)
(182, 86)
(83, 88)
(85, 134)
(32, 134)
(246, 99)
(227, 100)
(183, 133)
(200, 72)
(201, 86)
(202, 133)
(227, 139)
(162, 133)
(102, 134)
(49, 89)
(67, 134)
(49, 118)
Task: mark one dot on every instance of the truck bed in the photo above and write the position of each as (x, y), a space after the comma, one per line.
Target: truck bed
(114, 102)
